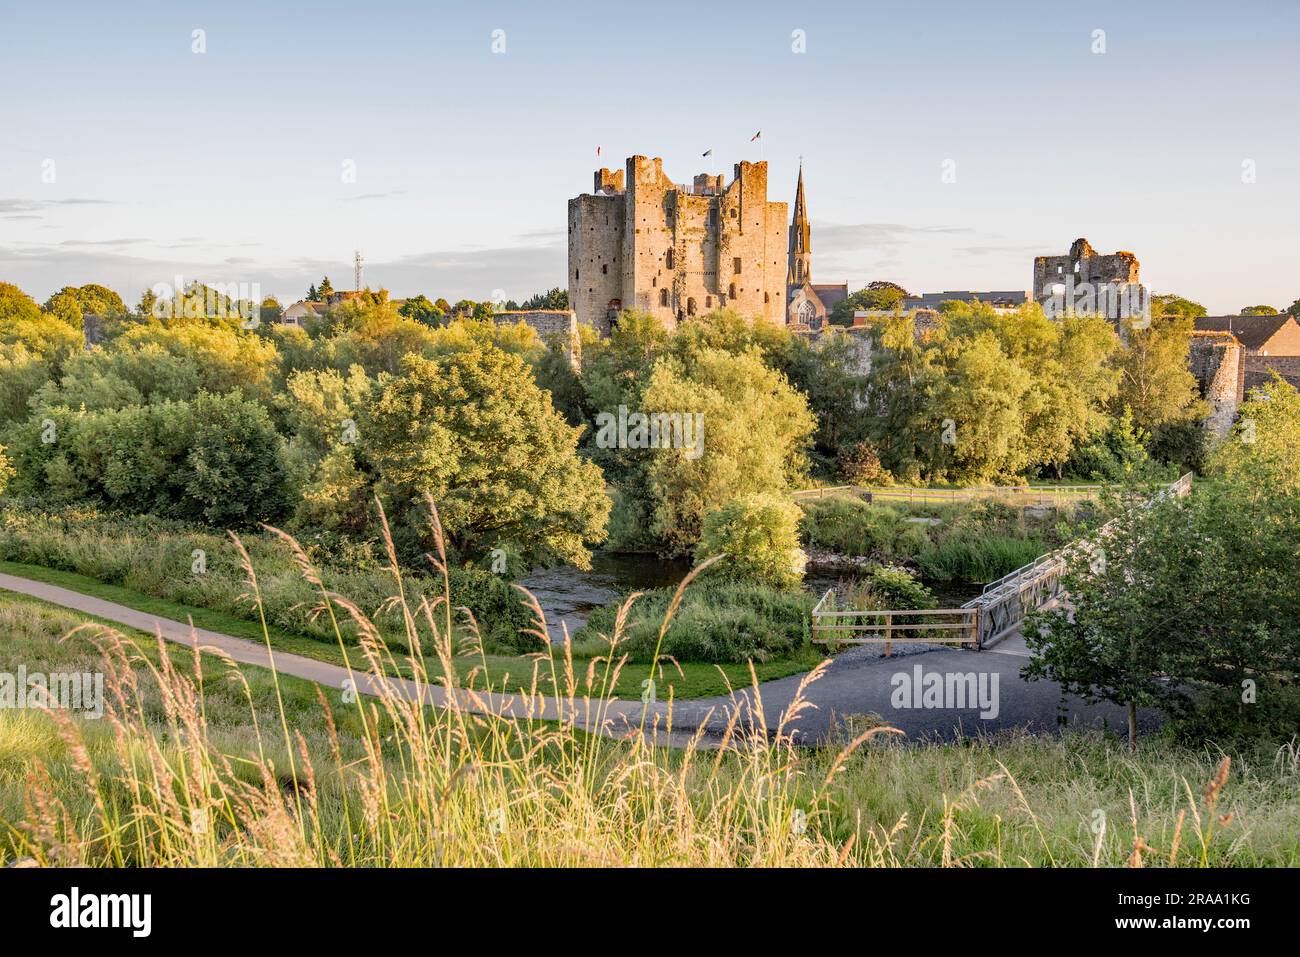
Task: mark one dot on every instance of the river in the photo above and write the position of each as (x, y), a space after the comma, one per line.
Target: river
(569, 595)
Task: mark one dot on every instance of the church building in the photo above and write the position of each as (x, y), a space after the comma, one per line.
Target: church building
(808, 304)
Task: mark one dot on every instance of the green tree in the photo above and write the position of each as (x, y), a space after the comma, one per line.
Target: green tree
(6, 470)
(759, 535)
(1187, 607)
(421, 310)
(216, 459)
(71, 303)
(270, 311)
(1154, 379)
(44, 335)
(324, 290)
(473, 430)
(751, 433)
(1262, 456)
(878, 295)
(151, 363)
(1170, 305)
(556, 298)
(1259, 311)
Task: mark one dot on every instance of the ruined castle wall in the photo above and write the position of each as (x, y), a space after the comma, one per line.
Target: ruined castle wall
(550, 325)
(1085, 265)
(1217, 362)
(595, 257)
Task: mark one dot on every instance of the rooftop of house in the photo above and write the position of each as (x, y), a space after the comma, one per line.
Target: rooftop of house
(1254, 332)
(1013, 296)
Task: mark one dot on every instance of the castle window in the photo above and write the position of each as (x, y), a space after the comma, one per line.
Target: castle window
(668, 259)
(604, 270)
(736, 265)
(767, 297)
(576, 274)
(731, 290)
(663, 297)
(690, 307)
(1076, 267)
(708, 302)
(733, 213)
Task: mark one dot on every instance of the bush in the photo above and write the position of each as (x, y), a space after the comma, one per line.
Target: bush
(716, 622)
(851, 527)
(897, 587)
(759, 535)
(216, 460)
(859, 464)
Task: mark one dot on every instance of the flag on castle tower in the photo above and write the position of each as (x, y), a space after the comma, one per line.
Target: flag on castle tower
(597, 150)
(708, 152)
(756, 136)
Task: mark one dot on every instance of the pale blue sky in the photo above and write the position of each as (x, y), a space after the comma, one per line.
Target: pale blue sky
(225, 166)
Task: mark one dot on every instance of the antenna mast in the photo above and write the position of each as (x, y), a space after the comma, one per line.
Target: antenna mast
(356, 269)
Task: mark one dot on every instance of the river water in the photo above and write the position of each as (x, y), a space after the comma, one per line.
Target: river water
(569, 595)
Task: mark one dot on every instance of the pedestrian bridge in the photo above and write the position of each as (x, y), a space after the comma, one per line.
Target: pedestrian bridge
(982, 622)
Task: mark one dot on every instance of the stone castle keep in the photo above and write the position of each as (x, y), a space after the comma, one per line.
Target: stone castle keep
(673, 250)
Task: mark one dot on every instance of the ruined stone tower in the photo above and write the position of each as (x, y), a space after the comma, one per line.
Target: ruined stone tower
(1086, 265)
(673, 250)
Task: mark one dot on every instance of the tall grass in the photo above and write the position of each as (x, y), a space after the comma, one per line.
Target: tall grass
(983, 559)
(197, 567)
(170, 777)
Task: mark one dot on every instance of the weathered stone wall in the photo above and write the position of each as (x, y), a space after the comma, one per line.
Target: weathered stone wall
(1217, 361)
(549, 324)
(1086, 265)
(676, 252)
(1259, 369)
(596, 255)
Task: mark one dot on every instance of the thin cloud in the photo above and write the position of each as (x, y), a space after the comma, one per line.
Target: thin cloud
(372, 196)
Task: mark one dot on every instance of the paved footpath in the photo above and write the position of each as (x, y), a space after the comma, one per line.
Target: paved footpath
(858, 681)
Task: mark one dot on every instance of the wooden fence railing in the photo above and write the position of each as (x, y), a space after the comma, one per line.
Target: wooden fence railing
(1025, 494)
(855, 626)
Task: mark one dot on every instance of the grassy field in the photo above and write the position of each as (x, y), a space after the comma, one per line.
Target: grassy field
(239, 767)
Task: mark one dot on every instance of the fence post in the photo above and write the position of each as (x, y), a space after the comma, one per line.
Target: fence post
(889, 630)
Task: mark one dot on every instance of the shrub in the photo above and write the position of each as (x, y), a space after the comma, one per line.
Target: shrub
(217, 460)
(759, 534)
(851, 527)
(859, 464)
(891, 586)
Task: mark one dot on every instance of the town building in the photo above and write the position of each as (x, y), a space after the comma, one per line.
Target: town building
(1269, 344)
(807, 304)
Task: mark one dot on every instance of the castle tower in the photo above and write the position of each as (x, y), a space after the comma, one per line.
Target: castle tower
(642, 241)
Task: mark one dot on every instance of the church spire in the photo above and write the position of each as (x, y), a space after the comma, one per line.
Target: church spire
(800, 240)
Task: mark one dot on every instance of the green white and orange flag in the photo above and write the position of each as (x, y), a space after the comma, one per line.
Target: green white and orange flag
(756, 136)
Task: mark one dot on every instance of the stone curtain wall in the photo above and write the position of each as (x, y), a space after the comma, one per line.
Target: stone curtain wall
(548, 324)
